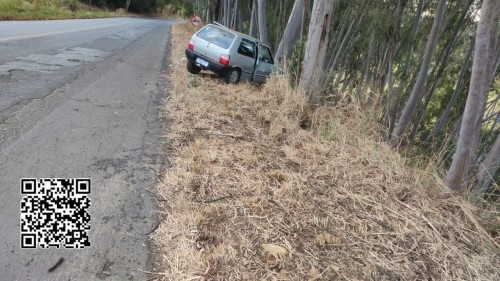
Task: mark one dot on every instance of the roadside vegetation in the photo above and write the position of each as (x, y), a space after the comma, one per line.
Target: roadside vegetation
(429, 67)
(68, 9)
(50, 9)
(262, 187)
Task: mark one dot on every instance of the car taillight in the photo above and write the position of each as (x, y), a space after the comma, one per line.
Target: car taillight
(224, 59)
(191, 45)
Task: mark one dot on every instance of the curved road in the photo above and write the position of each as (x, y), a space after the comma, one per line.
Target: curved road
(81, 98)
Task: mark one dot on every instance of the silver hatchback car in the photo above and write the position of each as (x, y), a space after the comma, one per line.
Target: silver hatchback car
(230, 54)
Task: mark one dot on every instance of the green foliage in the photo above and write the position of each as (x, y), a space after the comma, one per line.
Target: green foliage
(61, 9)
(142, 6)
(193, 82)
(47, 9)
(295, 62)
(277, 17)
(72, 5)
(185, 8)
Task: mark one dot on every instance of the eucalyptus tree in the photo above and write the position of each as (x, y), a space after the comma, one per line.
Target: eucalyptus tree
(418, 88)
(455, 25)
(292, 31)
(486, 171)
(262, 19)
(316, 47)
(457, 90)
(253, 19)
(469, 138)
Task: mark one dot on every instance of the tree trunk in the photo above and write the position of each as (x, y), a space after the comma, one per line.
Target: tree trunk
(253, 20)
(457, 90)
(495, 63)
(487, 171)
(216, 11)
(390, 82)
(207, 17)
(348, 36)
(292, 32)
(226, 15)
(450, 45)
(494, 50)
(235, 20)
(468, 140)
(418, 88)
(438, 71)
(262, 21)
(303, 19)
(406, 68)
(317, 44)
(363, 87)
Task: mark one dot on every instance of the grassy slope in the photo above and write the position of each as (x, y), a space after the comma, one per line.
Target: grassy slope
(262, 189)
(48, 9)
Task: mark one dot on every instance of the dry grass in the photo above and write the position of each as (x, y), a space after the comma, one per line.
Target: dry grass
(49, 9)
(260, 188)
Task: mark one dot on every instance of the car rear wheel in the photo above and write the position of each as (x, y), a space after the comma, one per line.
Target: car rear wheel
(233, 76)
(192, 68)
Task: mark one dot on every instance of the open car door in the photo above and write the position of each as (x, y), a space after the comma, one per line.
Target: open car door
(263, 65)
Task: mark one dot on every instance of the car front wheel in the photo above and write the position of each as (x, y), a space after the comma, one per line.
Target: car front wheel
(192, 68)
(233, 76)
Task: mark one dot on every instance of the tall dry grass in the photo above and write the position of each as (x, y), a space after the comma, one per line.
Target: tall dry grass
(261, 188)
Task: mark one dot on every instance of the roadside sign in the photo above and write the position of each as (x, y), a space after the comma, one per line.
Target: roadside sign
(196, 20)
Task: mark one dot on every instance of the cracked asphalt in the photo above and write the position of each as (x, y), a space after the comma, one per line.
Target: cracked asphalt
(82, 98)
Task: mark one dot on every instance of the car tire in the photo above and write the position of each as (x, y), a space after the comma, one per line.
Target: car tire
(232, 76)
(192, 68)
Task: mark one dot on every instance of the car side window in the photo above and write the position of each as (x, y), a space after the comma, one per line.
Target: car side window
(265, 55)
(247, 48)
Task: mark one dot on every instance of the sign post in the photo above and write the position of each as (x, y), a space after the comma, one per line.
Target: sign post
(196, 20)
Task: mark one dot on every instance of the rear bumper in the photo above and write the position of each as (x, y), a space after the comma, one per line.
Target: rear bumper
(213, 66)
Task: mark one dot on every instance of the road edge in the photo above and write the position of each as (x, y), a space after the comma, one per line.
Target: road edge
(159, 100)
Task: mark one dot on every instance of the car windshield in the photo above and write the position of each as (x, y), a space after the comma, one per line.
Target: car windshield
(217, 36)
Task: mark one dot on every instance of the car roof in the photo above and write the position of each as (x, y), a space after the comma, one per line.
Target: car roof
(238, 33)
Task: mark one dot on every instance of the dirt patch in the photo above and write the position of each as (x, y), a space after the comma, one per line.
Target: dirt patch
(121, 11)
(260, 188)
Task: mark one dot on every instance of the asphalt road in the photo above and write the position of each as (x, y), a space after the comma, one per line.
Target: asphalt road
(82, 98)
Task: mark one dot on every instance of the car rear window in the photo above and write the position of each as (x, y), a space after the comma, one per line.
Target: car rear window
(217, 36)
